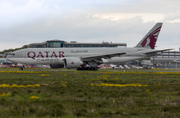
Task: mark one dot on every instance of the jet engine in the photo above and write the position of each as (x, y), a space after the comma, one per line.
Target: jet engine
(56, 66)
(72, 62)
(69, 62)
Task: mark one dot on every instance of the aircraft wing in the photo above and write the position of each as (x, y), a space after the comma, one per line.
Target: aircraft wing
(155, 51)
(105, 56)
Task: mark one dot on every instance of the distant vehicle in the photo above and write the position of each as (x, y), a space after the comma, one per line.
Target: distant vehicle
(135, 67)
(45, 66)
(112, 66)
(116, 66)
(126, 67)
(29, 66)
(121, 67)
(16, 65)
(5, 66)
(79, 57)
(147, 67)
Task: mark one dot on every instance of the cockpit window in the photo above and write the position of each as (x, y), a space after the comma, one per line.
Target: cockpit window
(11, 54)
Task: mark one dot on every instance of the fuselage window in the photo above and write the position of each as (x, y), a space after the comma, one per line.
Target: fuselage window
(11, 53)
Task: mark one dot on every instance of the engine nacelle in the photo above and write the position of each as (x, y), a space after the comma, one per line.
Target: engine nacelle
(72, 62)
(57, 65)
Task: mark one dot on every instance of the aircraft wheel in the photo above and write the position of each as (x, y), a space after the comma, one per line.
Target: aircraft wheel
(95, 68)
(20, 68)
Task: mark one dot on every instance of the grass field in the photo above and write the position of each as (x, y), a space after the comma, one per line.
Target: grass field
(104, 93)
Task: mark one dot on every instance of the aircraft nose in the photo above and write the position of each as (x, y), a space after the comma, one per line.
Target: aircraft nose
(8, 58)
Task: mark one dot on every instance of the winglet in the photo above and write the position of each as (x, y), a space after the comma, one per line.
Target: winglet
(149, 41)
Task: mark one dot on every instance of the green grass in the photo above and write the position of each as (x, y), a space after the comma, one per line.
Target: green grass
(68, 94)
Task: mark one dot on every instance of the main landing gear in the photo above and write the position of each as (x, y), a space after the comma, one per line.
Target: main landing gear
(87, 67)
(21, 68)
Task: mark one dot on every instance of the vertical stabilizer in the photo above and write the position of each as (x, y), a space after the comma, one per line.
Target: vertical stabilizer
(149, 41)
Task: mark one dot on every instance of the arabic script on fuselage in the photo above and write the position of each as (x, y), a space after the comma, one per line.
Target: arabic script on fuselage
(79, 51)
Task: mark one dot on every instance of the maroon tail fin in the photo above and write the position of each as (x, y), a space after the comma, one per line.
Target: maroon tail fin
(149, 41)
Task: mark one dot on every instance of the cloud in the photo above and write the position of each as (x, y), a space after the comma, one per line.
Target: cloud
(80, 28)
(12, 15)
(10, 45)
(146, 17)
(126, 21)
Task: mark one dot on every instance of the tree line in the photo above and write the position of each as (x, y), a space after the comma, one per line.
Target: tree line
(11, 50)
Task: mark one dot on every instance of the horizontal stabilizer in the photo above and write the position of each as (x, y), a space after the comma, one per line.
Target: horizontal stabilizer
(155, 51)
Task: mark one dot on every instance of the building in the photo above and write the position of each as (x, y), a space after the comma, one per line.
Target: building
(72, 44)
(2, 56)
(168, 59)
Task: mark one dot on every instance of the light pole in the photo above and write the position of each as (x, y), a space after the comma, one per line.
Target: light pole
(176, 62)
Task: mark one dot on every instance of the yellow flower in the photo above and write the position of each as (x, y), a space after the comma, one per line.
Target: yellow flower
(44, 75)
(18, 86)
(119, 85)
(147, 91)
(114, 102)
(14, 86)
(34, 98)
(116, 79)
(91, 84)
(64, 85)
(5, 94)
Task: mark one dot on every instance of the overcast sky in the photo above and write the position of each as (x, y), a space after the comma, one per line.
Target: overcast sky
(119, 21)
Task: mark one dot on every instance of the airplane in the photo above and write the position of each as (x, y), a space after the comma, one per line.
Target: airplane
(88, 58)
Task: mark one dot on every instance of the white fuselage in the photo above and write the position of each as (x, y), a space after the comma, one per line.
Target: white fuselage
(57, 55)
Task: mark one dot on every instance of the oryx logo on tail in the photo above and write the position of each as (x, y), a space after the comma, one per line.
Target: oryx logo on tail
(149, 41)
